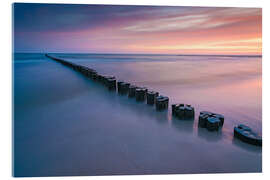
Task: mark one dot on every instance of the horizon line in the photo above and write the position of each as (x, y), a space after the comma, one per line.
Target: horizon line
(225, 55)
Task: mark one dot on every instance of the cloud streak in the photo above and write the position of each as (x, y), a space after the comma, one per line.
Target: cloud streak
(137, 29)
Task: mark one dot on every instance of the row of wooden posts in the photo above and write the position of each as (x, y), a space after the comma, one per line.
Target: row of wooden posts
(210, 121)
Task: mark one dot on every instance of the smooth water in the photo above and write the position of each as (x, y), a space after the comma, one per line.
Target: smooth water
(65, 124)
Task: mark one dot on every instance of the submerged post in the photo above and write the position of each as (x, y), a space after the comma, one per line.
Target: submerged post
(162, 103)
(151, 97)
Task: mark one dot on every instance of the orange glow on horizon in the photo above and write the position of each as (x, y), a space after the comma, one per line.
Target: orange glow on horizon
(234, 31)
(197, 35)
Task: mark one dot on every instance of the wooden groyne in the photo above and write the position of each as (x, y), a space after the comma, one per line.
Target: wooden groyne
(210, 121)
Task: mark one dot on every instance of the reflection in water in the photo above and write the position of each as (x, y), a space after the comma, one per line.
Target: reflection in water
(210, 135)
(246, 146)
(57, 110)
(230, 86)
(161, 116)
(142, 109)
(183, 125)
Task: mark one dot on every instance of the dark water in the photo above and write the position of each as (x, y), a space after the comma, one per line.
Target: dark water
(65, 124)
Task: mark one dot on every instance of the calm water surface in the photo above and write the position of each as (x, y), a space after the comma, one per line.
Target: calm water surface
(65, 124)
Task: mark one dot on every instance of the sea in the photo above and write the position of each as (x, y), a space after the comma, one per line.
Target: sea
(65, 124)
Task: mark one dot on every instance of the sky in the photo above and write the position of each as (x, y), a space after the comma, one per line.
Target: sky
(136, 29)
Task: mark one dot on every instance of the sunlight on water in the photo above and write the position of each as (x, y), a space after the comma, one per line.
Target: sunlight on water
(231, 85)
(76, 127)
